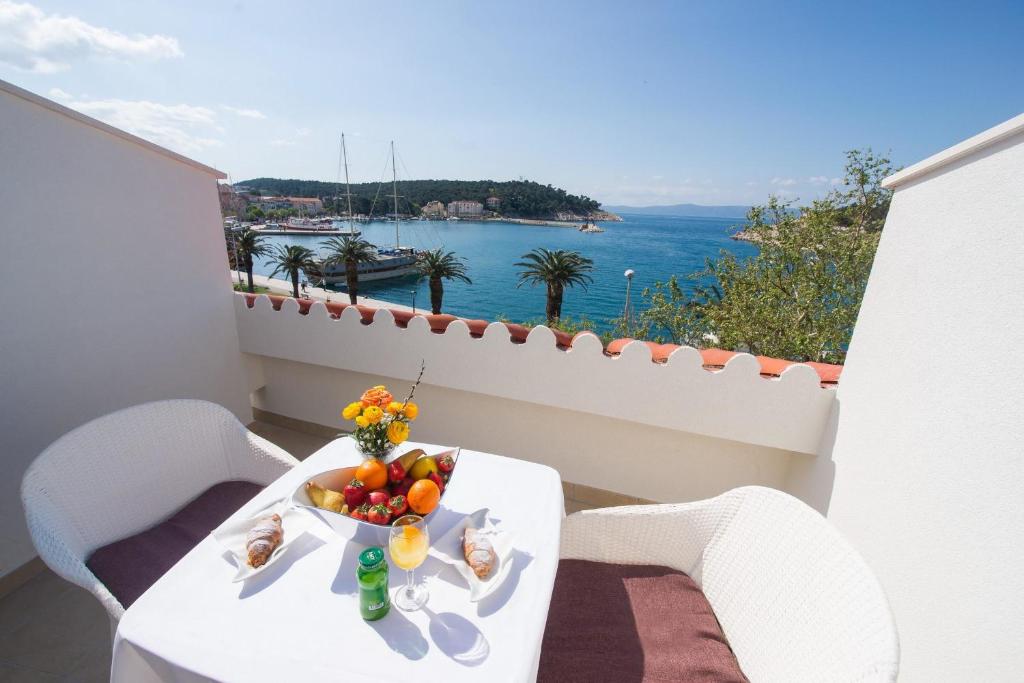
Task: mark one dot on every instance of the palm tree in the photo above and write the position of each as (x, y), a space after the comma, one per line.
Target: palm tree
(556, 269)
(437, 265)
(351, 251)
(291, 260)
(249, 244)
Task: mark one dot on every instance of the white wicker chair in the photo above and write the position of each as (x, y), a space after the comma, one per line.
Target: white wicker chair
(794, 599)
(125, 472)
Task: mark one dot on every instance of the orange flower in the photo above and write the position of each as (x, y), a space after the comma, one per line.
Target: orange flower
(377, 396)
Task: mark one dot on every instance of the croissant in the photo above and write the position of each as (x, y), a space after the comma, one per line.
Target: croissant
(479, 552)
(263, 539)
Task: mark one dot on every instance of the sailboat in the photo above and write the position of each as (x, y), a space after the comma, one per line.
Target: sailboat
(348, 189)
(392, 262)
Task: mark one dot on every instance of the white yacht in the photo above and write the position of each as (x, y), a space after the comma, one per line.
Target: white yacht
(392, 262)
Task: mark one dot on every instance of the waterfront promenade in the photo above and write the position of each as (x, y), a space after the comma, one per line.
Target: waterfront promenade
(284, 287)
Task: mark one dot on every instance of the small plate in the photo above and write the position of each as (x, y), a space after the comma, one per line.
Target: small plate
(231, 535)
(449, 549)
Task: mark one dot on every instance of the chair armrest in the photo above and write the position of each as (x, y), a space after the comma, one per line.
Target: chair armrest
(672, 535)
(63, 560)
(265, 462)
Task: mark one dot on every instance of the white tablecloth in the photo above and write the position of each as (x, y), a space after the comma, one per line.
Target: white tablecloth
(299, 619)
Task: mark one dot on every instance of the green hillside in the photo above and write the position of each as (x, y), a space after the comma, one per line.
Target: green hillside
(519, 198)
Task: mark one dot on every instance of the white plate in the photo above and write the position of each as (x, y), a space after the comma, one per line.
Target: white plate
(231, 535)
(449, 549)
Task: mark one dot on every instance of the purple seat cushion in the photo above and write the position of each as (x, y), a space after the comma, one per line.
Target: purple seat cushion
(611, 622)
(130, 566)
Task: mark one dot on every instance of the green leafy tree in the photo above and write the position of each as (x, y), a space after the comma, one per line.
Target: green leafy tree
(254, 213)
(673, 314)
(799, 297)
(350, 251)
(556, 270)
(291, 260)
(250, 244)
(437, 265)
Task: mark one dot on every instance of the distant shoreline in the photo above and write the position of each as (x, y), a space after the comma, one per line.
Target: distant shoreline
(536, 222)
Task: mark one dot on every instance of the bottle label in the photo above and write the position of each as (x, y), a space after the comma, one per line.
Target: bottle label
(376, 606)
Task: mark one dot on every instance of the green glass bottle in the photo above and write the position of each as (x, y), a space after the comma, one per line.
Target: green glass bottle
(372, 576)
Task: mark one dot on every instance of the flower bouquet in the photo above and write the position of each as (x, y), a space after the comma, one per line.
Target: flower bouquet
(381, 422)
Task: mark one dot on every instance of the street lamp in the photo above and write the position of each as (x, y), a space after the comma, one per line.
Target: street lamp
(627, 311)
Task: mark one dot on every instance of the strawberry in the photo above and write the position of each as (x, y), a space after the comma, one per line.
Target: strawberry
(379, 514)
(398, 505)
(402, 487)
(355, 493)
(360, 512)
(377, 497)
(446, 463)
(436, 478)
(396, 472)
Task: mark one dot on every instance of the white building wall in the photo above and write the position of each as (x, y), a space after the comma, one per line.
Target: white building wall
(115, 290)
(924, 469)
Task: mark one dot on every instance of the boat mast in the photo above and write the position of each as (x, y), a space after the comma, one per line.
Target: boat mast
(348, 190)
(394, 189)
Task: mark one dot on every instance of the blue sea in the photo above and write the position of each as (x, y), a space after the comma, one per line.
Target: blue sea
(655, 247)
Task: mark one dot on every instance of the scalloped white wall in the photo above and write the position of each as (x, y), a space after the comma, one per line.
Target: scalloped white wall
(654, 463)
(736, 403)
(669, 432)
(115, 290)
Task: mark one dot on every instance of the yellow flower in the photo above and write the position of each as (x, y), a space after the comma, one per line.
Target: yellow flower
(373, 414)
(380, 387)
(362, 421)
(411, 410)
(352, 410)
(394, 407)
(398, 432)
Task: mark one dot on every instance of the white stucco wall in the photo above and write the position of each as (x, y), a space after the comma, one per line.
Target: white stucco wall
(114, 287)
(734, 404)
(612, 454)
(927, 453)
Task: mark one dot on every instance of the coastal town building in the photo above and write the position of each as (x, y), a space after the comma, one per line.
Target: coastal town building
(306, 205)
(434, 209)
(231, 201)
(493, 203)
(464, 208)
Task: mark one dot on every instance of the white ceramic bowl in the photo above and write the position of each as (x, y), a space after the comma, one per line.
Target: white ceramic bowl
(356, 530)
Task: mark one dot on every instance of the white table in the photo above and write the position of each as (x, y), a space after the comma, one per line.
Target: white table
(299, 619)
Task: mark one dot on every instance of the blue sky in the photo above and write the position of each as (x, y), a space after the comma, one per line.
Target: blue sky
(638, 103)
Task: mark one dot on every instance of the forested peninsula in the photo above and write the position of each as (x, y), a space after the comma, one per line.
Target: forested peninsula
(517, 198)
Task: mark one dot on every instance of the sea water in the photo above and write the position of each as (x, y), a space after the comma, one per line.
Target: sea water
(655, 247)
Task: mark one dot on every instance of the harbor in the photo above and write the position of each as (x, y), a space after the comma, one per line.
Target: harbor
(656, 247)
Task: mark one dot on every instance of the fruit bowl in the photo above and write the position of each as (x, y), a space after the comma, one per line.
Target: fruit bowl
(350, 528)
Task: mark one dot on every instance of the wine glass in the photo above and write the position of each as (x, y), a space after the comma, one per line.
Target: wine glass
(408, 543)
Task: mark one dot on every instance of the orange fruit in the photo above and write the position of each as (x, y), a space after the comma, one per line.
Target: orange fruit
(423, 497)
(373, 474)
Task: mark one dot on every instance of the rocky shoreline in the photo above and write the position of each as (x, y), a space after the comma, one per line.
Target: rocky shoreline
(575, 222)
(746, 236)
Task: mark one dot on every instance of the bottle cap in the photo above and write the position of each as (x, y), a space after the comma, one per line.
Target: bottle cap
(371, 558)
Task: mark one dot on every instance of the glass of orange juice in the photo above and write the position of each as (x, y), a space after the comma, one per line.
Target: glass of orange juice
(408, 544)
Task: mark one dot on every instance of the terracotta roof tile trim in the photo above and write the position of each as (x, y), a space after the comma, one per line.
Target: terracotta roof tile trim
(713, 359)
